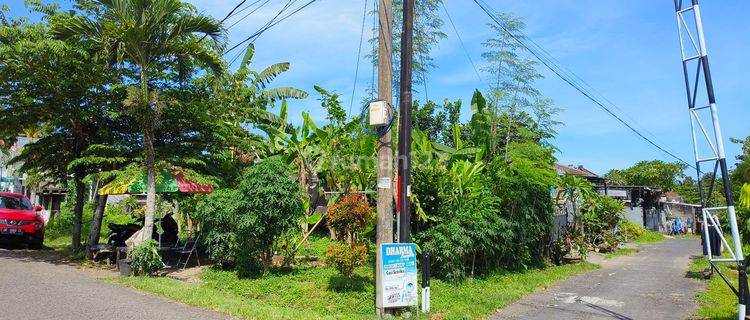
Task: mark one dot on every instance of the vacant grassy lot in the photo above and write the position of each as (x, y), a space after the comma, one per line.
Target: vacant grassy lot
(320, 293)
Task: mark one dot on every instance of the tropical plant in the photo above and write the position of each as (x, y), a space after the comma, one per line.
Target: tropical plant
(157, 37)
(600, 216)
(217, 214)
(514, 100)
(247, 98)
(145, 259)
(428, 33)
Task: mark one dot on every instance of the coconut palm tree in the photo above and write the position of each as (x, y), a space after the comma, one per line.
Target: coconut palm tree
(155, 37)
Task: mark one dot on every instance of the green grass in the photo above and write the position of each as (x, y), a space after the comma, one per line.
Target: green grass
(649, 237)
(621, 252)
(688, 236)
(320, 293)
(717, 301)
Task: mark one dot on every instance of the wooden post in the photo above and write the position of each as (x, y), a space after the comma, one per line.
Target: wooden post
(385, 143)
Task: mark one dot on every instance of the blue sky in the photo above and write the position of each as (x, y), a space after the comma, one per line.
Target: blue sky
(627, 50)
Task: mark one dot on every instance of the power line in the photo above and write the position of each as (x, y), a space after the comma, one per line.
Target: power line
(249, 13)
(234, 9)
(226, 17)
(592, 90)
(264, 27)
(245, 8)
(359, 54)
(270, 25)
(559, 72)
(476, 71)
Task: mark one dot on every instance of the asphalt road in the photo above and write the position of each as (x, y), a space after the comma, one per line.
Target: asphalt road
(32, 288)
(652, 284)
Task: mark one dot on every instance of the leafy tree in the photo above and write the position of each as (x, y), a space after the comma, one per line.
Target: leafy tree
(688, 189)
(269, 204)
(512, 93)
(62, 94)
(157, 37)
(656, 174)
(437, 121)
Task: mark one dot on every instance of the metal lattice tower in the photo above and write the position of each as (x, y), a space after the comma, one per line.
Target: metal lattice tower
(707, 141)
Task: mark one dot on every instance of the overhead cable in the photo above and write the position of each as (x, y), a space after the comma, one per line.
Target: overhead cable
(560, 72)
(359, 54)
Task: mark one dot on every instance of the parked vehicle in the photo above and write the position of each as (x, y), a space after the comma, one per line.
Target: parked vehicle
(20, 221)
(119, 233)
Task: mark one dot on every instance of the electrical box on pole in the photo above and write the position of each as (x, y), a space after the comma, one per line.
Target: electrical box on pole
(380, 113)
(708, 143)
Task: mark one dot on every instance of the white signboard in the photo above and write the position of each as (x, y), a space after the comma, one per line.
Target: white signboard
(399, 274)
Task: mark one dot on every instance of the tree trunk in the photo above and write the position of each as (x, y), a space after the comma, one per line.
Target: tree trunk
(303, 185)
(148, 143)
(148, 224)
(78, 211)
(511, 116)
(96, 223)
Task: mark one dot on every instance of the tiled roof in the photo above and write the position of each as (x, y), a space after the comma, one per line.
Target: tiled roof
(580, 171)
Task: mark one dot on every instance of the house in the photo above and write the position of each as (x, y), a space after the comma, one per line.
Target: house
(48, 195)
(565, 208)
(642, 205)
(580, 171)
(675, 207)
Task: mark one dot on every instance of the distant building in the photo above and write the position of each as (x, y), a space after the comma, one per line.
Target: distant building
(580, 171)
(45, 193)
(644, 206)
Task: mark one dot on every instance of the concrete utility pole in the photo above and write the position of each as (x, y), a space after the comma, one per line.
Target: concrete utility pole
(404, 125)
(385, 143)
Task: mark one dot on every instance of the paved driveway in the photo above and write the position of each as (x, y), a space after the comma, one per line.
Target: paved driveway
(31, 288)
(649, 285)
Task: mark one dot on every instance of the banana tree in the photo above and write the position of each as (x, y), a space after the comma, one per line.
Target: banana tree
(299, 146)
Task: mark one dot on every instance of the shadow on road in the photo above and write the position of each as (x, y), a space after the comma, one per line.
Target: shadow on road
(606, 311)
(21, 253)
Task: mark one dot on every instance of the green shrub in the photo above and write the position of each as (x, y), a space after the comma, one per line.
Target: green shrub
(349, 217)
(269, 204)
(600, 215)
(116, 214)
(477, 216)
(630, 231)
(145, 259)
(217, 214)
(61, 225)
(345, 258)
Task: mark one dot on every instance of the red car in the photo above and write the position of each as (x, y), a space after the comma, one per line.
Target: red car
(19, 220)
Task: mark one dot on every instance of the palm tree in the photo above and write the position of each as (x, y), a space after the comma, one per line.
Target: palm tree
(153, 36)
